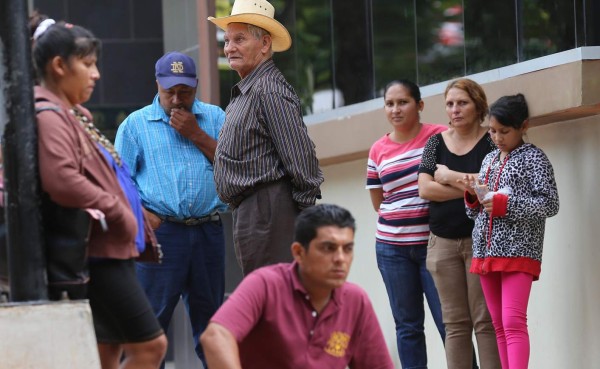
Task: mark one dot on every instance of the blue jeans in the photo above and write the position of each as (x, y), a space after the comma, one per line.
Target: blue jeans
(406, 280)
(193, 268)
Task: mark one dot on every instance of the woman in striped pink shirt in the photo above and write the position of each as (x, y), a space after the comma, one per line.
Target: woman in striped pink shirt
(403, 223)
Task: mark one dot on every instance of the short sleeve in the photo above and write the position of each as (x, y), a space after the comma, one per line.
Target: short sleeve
(428, 159)
(371, 352)
(373, 179)
(244, 308)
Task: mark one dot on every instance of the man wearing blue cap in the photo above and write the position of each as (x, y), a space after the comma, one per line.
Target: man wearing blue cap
(170, 146)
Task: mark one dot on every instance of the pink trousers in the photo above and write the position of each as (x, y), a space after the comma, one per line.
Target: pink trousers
(507, 296)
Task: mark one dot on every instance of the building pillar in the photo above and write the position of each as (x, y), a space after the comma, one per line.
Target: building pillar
(208, 53)
(26, 261)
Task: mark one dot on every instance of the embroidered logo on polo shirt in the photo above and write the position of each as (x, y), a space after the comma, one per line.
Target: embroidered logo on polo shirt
(337, 344)
(177, 67)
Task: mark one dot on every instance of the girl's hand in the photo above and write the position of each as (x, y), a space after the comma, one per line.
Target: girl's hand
(488, 204)
(469, 182)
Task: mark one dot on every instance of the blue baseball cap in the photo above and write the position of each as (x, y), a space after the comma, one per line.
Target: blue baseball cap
(176, 69)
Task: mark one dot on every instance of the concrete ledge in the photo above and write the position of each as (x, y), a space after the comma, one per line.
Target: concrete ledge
(49, 335)
(567, 90)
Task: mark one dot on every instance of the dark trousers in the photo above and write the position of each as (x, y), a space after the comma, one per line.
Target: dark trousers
(263, 226)
(193, 268)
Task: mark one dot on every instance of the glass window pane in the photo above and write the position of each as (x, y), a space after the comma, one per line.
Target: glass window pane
(345, 51)
(490, 35)
(440, 40)
(308, 65)
(353, 54)
(394, 42)
(548, 27)
(590, 27)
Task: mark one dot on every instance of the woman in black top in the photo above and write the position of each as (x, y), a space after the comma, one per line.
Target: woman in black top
(447, 157)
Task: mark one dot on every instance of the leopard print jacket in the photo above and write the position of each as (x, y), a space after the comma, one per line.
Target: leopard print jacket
(520, 233)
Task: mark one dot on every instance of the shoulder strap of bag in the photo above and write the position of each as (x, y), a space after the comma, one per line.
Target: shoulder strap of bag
(42, 105)
(45, 105)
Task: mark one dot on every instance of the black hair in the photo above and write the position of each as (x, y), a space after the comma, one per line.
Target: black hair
(413, 89)
(64, 40)
(511, 111)
(322, 215)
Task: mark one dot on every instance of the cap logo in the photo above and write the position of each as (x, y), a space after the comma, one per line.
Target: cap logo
(177, 67)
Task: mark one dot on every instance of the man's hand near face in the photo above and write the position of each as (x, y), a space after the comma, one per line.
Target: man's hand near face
(186, 124)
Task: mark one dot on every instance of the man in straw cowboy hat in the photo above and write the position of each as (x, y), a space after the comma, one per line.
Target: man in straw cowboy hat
(265, 165)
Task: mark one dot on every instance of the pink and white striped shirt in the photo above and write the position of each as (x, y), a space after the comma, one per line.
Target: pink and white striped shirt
(403, 215)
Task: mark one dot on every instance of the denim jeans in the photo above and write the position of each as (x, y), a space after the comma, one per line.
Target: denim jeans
(406, 280)
(193, 268)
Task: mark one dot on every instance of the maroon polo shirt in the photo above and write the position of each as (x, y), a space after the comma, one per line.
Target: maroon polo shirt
(275, 325)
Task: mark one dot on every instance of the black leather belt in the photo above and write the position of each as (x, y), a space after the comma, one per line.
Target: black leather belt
(214, 217)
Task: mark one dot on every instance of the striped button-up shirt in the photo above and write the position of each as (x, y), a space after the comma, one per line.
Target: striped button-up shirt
(171, 174)
(264, 139)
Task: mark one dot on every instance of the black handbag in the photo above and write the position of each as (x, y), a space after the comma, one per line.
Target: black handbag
(66, 236)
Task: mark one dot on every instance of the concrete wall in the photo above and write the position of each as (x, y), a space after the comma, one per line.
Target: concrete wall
(564, 305)
(345, 185)
(557, 93)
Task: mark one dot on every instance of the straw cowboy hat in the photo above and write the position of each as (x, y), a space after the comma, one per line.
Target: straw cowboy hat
(258, 13)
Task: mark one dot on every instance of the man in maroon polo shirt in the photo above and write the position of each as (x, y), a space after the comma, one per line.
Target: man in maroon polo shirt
(304, 314)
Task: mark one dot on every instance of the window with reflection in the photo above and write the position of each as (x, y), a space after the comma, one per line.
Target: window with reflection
(345, 51)
(440, 40)
(490, 35)
(548, 27)
(308, 65)
(394, 42)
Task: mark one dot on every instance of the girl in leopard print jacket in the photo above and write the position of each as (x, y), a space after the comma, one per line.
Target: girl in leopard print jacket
(509, 225)
(512, 236)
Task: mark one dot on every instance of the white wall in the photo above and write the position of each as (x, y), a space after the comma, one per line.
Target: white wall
(564, 311)
(345, 185)
(565, 303)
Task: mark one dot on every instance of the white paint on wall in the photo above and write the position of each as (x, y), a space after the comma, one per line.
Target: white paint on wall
(564, 308)
(345, 185)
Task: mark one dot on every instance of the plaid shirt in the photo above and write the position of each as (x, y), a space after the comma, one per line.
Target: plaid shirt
(172, 175)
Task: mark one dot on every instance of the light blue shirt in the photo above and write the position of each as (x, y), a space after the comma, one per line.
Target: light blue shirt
(172, 175)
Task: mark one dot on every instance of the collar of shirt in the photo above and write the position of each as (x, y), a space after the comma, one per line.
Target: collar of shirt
(246, 84)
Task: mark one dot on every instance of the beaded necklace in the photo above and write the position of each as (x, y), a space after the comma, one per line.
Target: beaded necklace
(501, 165)
(96, 135)
(496, 184)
